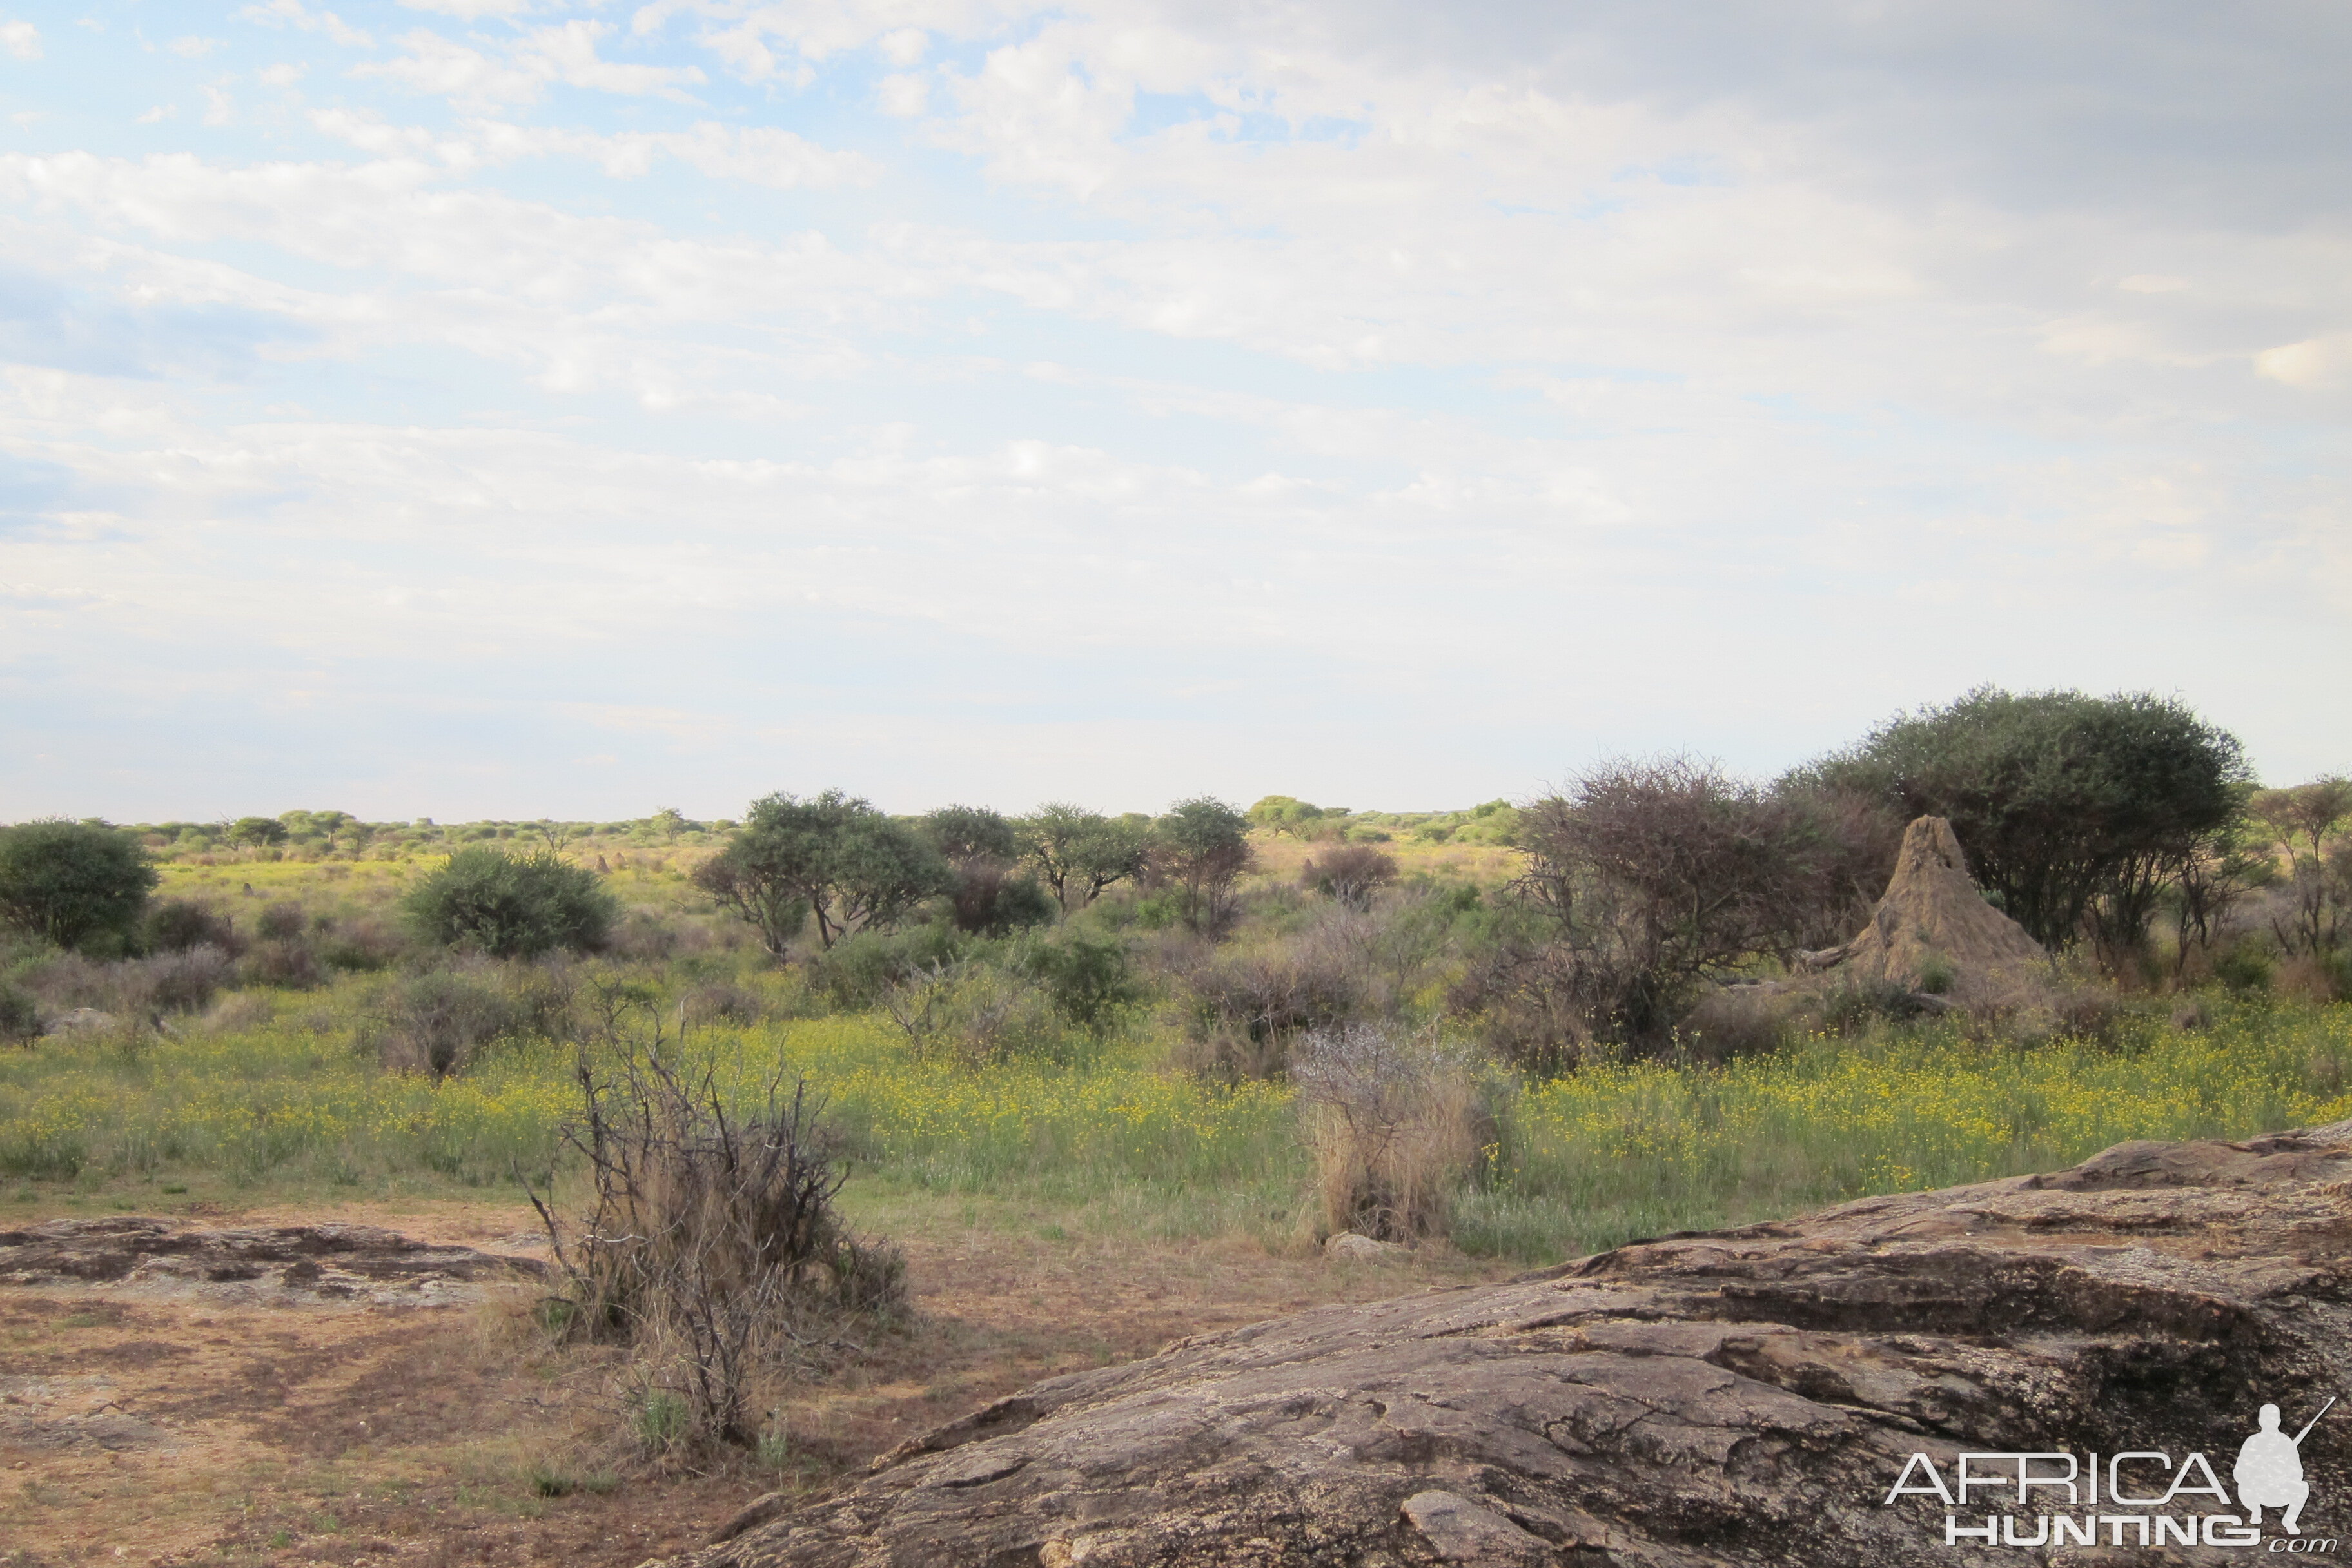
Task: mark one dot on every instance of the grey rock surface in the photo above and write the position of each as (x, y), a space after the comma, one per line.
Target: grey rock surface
(1744, 1397)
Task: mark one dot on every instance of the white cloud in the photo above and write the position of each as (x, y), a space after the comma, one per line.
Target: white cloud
(1282, 352)
(193, 48)
(285, 73)
(294, 14)
(21, 39)
(435, 65)
(161, 111)
(520, 72)
(2311, 365)
(902, 94)
(220, 109)
(568, 52)
(472, 10)
(753, 154)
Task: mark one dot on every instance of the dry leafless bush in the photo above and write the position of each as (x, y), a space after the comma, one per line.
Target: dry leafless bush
(711, 1245)
(1393, 1119)
(1351, 873)
(1653, 879)
(1248, 1005)
(1249, 1002)
(439, 1019)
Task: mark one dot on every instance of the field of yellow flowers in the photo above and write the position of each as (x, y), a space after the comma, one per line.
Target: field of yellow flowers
(293, 1102)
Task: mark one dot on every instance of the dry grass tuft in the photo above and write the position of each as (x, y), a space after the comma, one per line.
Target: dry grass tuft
(1392, 1118)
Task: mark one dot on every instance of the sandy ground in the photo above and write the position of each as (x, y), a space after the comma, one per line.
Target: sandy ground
(149, 1429)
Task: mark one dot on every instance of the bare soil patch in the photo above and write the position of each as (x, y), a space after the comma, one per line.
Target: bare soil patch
(142, 1424)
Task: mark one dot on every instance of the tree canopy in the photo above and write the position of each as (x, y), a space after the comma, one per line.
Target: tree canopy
(1201, 847)
(832, 856)
(1080, 852)
(73, 883)
(2073, 810)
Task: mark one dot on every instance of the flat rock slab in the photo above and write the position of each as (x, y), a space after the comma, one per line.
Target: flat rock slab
(1744, 1397)
(350, 1265)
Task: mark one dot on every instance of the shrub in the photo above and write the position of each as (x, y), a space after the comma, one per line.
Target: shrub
(723, 1002)
(1655, 878)
(1247, 1006)
(510, 906)
(183, 982)
(439, 1019)
(76, 884)
(1350, 873)
(280, 922)
(291, 964)
(990, 900)
(175, 925)
(710, 1241)
(1391, 1119)
(857, 971)
(20, 1015)
(977, 1015)
(1091, 980)
(1732, 1021)
(364, 945)
(2244, 968)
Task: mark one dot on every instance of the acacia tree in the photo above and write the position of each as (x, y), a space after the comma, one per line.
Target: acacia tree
(1200, 847)
(257, 832)
(2300, 821)
(832, 856)
(1079, 853)
(989, 896)
(2076, 811)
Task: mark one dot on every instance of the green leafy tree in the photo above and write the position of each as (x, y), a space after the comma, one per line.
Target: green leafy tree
(2076, 811)
(510, 906)
(1200, 847)
(669, 822)
(971, 833)
(257, 832)
(1079, 853)
(832, 856)
(989, 896)
(76, 884)
(1288, 813)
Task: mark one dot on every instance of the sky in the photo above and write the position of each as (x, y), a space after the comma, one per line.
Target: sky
(527, 408)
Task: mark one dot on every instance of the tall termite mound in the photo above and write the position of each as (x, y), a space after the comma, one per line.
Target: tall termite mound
(1933, 932)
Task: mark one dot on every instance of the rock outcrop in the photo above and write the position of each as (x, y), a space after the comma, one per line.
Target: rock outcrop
(340, 1264)
(1744, 1397)
(1932, 933)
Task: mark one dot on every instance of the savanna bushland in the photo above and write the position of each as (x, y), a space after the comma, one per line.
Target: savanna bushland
(761, 1048)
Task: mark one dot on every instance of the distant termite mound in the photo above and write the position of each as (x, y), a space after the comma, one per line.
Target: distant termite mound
(1933, 934)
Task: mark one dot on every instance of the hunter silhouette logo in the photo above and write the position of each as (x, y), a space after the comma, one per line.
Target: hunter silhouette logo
(2141, 1497)
(2269, 1471)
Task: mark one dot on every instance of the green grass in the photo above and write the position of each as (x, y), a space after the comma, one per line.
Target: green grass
(296, 1103)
